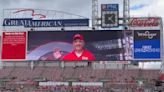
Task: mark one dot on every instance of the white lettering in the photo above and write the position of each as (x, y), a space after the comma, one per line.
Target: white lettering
(147, 48)
(147, 34)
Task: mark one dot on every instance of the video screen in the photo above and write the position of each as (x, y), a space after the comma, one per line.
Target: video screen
(104, 45)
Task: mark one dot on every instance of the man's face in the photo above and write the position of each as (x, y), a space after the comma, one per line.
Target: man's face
(78, 44)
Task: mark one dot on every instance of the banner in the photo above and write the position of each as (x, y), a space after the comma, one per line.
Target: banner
(63, 46)
(29, 22)
(13, 45)
(100, 84)
(147, 44)
(51, 83)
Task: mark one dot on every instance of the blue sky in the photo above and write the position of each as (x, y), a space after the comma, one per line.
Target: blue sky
(147, 8)
(138, 7)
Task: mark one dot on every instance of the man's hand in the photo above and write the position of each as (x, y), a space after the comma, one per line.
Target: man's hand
(57, 53)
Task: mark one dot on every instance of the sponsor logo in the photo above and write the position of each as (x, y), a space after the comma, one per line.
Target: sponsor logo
(144, 22)
(109, 7)
(147, 34)
(29, 22)
(33, 13)
(84, 58)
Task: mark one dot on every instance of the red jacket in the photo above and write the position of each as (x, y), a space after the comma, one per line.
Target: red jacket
(86, 55)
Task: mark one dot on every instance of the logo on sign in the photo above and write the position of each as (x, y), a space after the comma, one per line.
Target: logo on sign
(109, 18)
(33, 13)
(147, 34)
(144, 22)
(112, 7)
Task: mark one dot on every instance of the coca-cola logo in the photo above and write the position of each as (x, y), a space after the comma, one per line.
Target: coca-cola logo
(144, 22)
(147, 34)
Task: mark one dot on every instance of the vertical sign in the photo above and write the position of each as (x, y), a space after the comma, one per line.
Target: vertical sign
(146, 45)
(14, 46)
(109, 15)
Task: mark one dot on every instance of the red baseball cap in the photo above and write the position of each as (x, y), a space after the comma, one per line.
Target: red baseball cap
(78, 36)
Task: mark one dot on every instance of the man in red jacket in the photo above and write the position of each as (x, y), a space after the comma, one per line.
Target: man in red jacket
(79, 53)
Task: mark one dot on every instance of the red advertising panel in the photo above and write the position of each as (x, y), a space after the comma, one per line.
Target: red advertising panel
(14, 46)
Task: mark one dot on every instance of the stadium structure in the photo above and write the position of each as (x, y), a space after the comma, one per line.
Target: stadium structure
(116, 72)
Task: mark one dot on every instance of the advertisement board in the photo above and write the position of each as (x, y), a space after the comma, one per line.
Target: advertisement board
(14, 45)
(147, 45)
(29, 22)
(109, 15)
